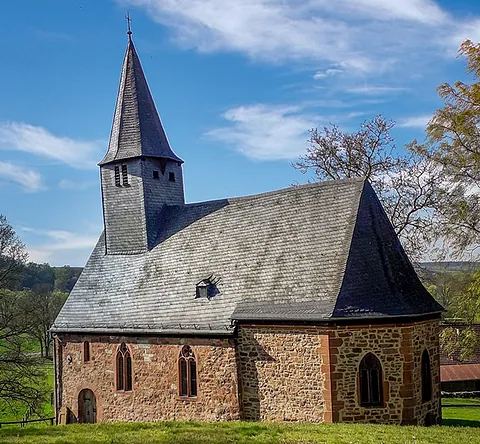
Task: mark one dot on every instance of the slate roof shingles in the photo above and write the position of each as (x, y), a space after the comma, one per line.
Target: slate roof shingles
(278, 256)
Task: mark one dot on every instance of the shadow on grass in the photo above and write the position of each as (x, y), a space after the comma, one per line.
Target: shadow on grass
(460, 423)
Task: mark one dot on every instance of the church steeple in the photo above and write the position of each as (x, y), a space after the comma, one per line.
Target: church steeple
(137, 129)
(140, 173)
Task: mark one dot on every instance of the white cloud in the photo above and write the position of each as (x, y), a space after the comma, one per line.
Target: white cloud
(421, 11)
(372, 90)
(29, 180)
(59, 247)
(19, 136)
(415, 121)
(360, 36)
(266, 132)
(330, 72)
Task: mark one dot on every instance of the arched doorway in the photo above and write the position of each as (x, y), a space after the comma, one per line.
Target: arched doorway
(87, 407)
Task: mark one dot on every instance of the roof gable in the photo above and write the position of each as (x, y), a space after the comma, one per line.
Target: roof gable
(379, 278)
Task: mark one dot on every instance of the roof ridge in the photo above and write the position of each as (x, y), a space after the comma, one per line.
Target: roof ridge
(291, 188)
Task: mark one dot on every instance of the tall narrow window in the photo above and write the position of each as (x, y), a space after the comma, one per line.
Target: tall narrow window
(117, 176)
(187, 369)
(124, 175)
(371, 381)
(86, 351)
(124, 369)
(426, 377)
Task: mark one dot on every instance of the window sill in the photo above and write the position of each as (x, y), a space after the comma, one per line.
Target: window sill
(123, 392)
(187, 398)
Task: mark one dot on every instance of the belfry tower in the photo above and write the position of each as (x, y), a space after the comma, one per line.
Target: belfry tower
(140, 173)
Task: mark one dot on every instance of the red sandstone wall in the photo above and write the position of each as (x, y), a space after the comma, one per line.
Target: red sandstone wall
(425, 335)
(155, 379)
(284, 374)
(399, 348)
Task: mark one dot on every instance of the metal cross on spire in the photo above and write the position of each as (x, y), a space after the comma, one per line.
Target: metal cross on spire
(129, 32)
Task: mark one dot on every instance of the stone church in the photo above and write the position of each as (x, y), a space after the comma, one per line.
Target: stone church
(293, 305)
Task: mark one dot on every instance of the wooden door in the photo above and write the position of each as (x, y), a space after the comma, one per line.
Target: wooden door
(87, 407)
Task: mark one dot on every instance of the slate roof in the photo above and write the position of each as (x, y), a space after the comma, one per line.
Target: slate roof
(136, 129)
(317, 252)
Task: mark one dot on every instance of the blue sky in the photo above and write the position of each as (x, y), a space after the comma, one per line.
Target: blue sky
(237, 83)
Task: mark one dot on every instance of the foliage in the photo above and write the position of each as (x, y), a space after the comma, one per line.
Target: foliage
(454, 143)
(39, 277)
(22, 377)
(405, 182)
(12, 254)
(238, 432)
(44, 278)
(66, 277)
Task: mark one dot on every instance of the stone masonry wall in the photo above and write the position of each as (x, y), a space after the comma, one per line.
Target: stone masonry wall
(312, 373)
(155, 379)
(399, 348)
(284, 374)
(426, 336)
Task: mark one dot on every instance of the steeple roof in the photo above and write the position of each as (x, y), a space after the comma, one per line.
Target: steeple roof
(137, 129)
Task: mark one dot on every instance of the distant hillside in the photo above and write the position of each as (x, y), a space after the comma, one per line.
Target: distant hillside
(46, 278)
(448, 267)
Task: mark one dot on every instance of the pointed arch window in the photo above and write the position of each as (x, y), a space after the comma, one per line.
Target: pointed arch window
(187, 373)
(426, 377)
(371, 381)
(124, 369)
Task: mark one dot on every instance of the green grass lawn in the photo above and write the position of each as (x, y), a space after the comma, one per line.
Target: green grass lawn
(461, 424)
(454, 413)
(237, 432)
(14, 411)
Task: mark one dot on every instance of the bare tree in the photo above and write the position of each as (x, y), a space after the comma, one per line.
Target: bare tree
(12, 254)
(406, 182)
(22, 376)
(47, 306)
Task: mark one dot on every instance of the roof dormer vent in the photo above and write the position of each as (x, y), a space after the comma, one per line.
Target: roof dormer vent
(207, 288)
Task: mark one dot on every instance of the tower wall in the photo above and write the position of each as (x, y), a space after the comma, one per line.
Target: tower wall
(160, 191)
(124, 209)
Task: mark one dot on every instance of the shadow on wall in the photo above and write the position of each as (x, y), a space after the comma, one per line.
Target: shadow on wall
(250, 356)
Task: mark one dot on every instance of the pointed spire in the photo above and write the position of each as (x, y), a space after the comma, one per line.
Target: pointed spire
(137, 130)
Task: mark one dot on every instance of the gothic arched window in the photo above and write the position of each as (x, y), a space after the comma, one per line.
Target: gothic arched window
(187, 372)
(426, 377)
(124, 369)
(371, 381)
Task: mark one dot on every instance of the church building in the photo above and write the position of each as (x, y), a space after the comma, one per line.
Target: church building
(294, 305)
